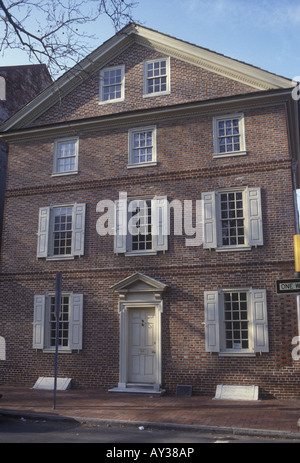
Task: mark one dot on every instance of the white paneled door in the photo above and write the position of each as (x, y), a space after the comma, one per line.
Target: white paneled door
(142, 346)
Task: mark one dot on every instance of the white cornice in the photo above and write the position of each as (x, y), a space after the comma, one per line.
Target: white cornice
(212, 61)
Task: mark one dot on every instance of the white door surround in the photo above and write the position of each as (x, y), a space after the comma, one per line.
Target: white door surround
(140, 294)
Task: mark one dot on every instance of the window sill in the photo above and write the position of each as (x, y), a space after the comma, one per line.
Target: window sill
(237, 354)
(140, 253)
(229, 154)
(150, 95)
(119, 100)
(234, 248)
(142, 164)
(60, 258)
(63, 174)
(49, 350)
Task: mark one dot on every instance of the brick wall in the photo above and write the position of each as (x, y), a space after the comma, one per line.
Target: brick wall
(185, 169)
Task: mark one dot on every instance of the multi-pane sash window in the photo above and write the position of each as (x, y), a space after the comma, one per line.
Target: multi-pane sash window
(62, 232)
(141, 225)
(236, 320)
(69, 324)
(142, 146)
(63, 325)
(229, 135)
(112, 84)
(141, 234)
(232, 219)
(156, 76)
(66, 156)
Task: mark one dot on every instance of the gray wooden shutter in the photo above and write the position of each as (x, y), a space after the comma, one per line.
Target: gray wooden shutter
(160, 223)
(43, 232)
(121, 222)
(209, 220)
(212, 328)
(39, 322)
(76, 317)
(260, 320)
(255, 217)
(78, 230)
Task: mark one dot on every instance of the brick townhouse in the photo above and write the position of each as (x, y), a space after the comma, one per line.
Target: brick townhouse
(159, 128)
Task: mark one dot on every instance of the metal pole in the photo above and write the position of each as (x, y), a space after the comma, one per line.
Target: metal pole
(57, 314)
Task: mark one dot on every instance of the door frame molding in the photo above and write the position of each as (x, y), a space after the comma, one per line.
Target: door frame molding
(139, 291)
(123, 310)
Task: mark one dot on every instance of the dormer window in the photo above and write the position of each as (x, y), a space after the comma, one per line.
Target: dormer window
(157, 77)
(112, 84)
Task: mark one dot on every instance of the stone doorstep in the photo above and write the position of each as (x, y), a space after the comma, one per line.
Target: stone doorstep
(147, 389)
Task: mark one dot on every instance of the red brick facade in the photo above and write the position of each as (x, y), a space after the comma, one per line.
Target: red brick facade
(186, 168)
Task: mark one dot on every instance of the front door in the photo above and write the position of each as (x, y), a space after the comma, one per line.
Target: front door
(142, 346)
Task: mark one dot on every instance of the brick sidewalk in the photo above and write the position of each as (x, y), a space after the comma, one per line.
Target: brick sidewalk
(270, 415)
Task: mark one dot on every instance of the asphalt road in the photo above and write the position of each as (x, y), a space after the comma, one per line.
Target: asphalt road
(114, 438)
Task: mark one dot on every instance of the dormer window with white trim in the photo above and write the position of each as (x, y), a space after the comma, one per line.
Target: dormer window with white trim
(112, 84)
(157, 77)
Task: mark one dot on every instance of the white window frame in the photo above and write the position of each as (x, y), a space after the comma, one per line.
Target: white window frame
(57, 144)
(252, 212)
(101, 86)
(215, 336)
(131, 133)
(2, 88)
(42, 328)
(159, 225)
(45, 242)
(242, 151)
(147, 94)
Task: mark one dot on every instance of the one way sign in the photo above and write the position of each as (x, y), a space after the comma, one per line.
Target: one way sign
(288, 286)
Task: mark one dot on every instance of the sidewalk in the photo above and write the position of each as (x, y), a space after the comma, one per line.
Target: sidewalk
(267, 417)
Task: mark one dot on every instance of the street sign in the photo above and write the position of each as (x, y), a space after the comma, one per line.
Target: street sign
(288, 286)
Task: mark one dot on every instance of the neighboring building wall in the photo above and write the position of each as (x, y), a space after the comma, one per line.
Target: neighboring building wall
(18, 86)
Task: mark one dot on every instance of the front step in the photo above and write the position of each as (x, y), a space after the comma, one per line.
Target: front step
(138, 388)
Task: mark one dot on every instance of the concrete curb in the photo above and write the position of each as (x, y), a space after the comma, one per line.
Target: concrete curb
(153, 425)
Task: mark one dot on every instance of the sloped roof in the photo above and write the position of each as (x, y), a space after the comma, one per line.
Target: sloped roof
(133, 33)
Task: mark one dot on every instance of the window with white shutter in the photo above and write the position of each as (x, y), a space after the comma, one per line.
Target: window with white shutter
(142, 226)
(236, 321)
(70, 322)
(61, 231)
(232, 219)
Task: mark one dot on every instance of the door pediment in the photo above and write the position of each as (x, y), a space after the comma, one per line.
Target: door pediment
(138, 284)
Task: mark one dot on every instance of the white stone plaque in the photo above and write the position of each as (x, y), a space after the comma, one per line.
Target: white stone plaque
(47, 383)
(225, 392)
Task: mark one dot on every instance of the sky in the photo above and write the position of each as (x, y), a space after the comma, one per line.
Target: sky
(264, 33)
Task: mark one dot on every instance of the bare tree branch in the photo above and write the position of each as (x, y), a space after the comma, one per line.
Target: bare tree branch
(54, 31)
